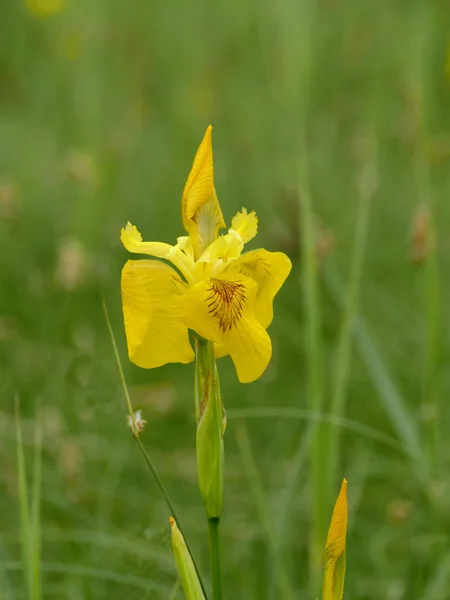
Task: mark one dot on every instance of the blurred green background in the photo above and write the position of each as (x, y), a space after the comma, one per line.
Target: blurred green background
(346, 102)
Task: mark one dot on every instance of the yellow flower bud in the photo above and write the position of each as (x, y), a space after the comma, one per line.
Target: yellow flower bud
(185, 566)
(333, 582)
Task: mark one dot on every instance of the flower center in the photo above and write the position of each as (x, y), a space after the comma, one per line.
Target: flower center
(226, 300)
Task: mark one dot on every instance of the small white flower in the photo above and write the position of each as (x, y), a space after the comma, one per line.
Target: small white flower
(136, 422)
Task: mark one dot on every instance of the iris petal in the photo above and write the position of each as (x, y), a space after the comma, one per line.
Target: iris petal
(131, 238)
(222, 310)
(202, 216)
(269, 270)
(151, 302)
(245, 224)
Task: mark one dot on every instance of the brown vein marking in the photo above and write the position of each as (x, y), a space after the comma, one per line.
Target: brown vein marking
(226, 301)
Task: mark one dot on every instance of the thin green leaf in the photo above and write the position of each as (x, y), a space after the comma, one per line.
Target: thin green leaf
(439, 584)
(88, 572)
(389, 394)
(256, 487)
(175, 590)
(343, 358)
(26, 539)
(36, 516)
(307, 415)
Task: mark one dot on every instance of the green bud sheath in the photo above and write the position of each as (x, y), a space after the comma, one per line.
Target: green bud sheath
(210, 429)
(185, 566)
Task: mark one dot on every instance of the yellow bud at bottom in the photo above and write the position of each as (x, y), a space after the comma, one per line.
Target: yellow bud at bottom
(335, 555)
(185, 566)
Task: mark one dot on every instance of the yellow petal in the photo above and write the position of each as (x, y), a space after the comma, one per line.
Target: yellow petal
(202, 217)
(131, 238)
(269, 270)
(245, 224)
(333, 585)
(220, 351)
(150, 301)
(184, 243)
(226, 247)
(222, 310)
(229, 247)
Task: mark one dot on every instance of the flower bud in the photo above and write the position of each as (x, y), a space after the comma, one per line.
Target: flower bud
(334, 575)
(185, 566)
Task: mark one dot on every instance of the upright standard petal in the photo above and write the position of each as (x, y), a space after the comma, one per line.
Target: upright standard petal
(244, 227)
(150, 301)
(202, 216)
(222, 310)
(245, 224)
(269, 270)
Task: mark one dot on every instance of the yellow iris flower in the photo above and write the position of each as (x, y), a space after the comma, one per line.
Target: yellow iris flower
(213, 289)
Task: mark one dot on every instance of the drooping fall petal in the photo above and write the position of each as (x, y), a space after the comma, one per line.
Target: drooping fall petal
(269, 270)
(151, 301)
(222, 310)
(202, 216)
(333, 582)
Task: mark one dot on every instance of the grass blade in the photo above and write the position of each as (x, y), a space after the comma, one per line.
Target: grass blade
(438, 586)
(389, 394)
(256, 487)
(175, 590)
(36, 516)
(343, 361)
(422, 34)
(26, 540)
(312, 308)
(290, 413)
(95, 574)
(433, 351)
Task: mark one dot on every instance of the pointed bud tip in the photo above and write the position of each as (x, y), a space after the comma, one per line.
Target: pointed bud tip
(207, 138)
(171, 521)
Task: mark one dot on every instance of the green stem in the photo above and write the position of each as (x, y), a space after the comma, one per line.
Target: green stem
(210, 429)
(214, 554)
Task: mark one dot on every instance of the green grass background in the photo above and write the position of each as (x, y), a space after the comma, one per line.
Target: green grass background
(332, 115)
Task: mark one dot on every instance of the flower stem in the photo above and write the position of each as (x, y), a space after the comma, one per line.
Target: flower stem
(214, 554)
(211, 425)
